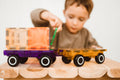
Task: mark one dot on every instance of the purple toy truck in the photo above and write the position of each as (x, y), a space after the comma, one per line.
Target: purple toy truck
(46, 58)
(22, 43)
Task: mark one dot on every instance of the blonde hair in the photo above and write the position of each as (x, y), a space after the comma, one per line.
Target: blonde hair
(88, 4)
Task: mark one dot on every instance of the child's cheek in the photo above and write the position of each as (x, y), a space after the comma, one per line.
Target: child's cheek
(68, 21)
(82, 24)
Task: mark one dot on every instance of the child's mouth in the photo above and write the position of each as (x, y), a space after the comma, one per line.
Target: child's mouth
(73, 28)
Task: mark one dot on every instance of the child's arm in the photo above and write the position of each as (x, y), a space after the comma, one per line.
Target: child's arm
(37, 21)
(53, 20)
(44, 17)
(92, 43)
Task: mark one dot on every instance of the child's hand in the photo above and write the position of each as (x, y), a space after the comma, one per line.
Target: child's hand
(53, 20)
(96, 47)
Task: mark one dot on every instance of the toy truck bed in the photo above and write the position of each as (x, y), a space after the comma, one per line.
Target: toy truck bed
(79, 56)
(46, 58)
(22, 43)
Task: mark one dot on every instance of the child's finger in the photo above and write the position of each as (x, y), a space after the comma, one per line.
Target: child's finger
(52, 23)
(56, 22)
(59, 28)
(53, 28)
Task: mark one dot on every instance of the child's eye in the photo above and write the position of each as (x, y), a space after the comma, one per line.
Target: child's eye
(81, 19)
(71, 17)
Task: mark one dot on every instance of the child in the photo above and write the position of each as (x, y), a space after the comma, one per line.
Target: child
(71, 34)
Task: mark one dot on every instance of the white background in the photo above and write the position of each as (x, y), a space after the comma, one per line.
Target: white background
(104, 22)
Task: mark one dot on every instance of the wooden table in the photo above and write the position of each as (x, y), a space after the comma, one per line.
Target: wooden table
(109, 70)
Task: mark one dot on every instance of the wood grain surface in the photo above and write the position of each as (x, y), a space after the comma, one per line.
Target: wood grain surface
(89, 71)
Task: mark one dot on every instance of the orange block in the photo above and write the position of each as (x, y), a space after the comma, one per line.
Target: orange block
(38, 38)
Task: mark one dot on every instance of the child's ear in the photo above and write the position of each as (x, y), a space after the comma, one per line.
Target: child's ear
(64, 12)
(88, 17)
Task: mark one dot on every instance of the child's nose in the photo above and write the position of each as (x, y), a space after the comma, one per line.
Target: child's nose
(75, 22)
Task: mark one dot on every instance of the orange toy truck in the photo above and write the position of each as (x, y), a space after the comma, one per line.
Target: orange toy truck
(79, 56)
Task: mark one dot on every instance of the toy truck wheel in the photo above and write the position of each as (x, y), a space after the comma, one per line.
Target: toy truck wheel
(65, 60)
(23, 60)
(53, 59)
(45, 61)
(87, 58)
(13, 60)
(79, 60)
(100, 58)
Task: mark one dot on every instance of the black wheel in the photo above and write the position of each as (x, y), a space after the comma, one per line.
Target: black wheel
(45, 61)
(79, 60)
(23, 60)
(100, 58)
(87, 58)
(65, 60)
(13, 60)
(53, 59)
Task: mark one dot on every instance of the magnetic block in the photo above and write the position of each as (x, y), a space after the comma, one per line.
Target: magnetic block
(38, 38)
(16, 38)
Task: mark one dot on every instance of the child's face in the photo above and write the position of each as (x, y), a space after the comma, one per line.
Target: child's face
(76, 16)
